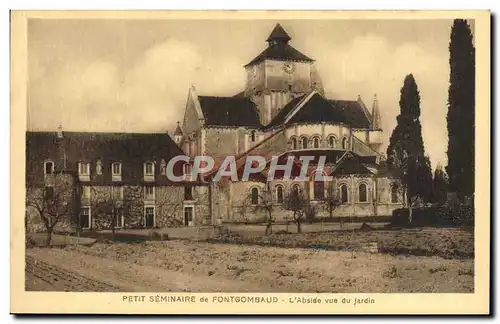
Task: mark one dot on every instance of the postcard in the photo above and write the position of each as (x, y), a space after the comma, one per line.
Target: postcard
(250, 162)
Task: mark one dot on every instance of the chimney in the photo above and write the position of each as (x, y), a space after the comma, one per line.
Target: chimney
(59, 132)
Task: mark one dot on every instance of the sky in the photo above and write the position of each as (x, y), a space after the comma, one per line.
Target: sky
(134, 75)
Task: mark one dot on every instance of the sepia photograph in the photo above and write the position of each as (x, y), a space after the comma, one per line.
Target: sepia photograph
(258, 156)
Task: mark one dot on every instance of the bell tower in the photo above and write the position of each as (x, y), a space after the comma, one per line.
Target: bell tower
(279, 74)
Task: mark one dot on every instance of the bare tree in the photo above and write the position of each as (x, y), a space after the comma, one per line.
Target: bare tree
(299, 205)
(53, 203)
(169, 203)
(113, 205)
(330, 200)
(261, 201)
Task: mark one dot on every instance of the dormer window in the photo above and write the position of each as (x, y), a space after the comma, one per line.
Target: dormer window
(84, 171)
(149, 168)
(48, 167)
(83, 168)
(149, 171)
(116, 171)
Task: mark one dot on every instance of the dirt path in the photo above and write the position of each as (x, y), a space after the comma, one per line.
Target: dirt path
(44, 276)
(62, 270)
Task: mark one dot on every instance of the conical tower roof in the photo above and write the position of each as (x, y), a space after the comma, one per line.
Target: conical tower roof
(279, 34)
(376, 119)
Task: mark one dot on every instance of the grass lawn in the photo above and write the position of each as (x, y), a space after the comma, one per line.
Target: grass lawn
(38, 239)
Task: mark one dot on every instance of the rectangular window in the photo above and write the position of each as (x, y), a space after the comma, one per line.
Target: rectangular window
(188, 193)
(49, 167)
(149, 192)
(85, 217)
(188, 216)
(86, 192)
(117, 192)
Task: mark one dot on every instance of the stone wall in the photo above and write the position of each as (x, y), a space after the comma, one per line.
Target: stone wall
(323, 131)
(220, 143)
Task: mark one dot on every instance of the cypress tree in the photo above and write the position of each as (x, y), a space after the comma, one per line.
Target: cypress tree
(406, 147)
(439, 186)
(461, 110)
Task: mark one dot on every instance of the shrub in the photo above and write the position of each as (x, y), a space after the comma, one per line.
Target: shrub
(434, 216)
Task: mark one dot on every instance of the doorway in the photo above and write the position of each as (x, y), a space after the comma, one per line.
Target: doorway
(149, 216)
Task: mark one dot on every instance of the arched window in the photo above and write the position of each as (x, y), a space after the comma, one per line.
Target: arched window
(362, 193)
(252, 136)
(316, 142)
(344, 143)
(294, 143)
(255, 196)
(296, 189)
(319, 190)
(279, 194)
(303, 141)
(343, 193)
(394, 193)
(331, 142)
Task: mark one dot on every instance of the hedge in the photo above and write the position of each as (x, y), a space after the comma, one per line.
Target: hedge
(434, 216)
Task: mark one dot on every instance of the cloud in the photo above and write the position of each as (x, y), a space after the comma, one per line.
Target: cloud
(149, 93)
(148, 96)
(370, 64)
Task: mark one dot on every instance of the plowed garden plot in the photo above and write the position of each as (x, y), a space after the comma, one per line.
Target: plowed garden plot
(450, 243)
(236, 268)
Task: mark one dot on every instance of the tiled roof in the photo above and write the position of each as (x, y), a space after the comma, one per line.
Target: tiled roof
(353, 164)
(278, 33)
(280, 117)
(281, 51)
(353, 113)
(229, 111)
(385, 170)
(317, 109)
(131, 149)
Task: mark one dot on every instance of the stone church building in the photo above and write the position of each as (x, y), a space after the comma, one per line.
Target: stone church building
(283, 112)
